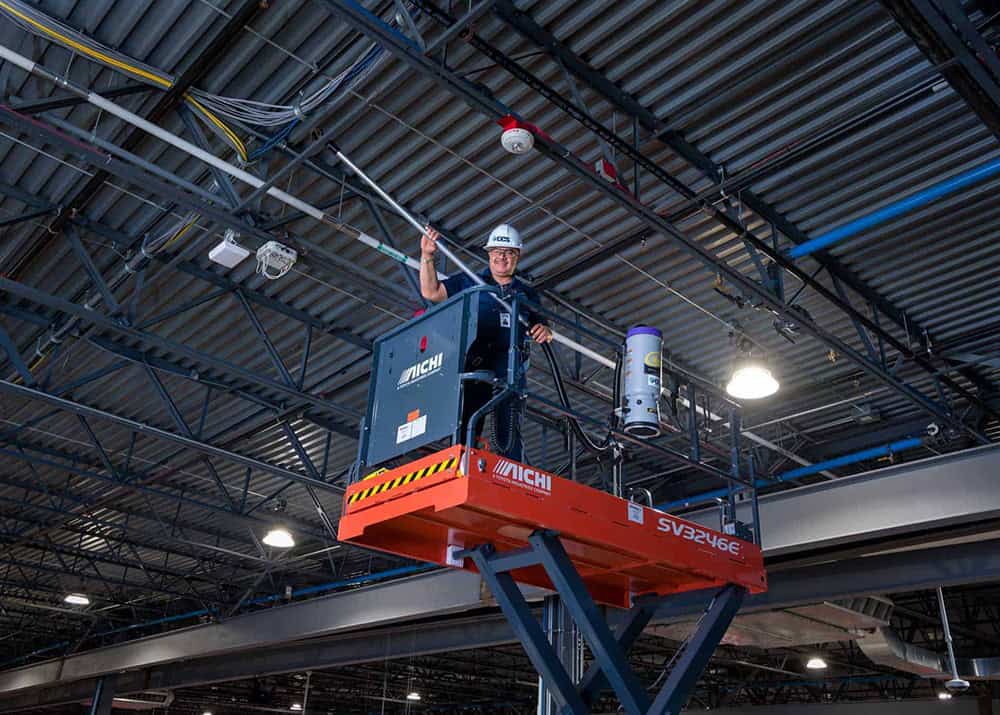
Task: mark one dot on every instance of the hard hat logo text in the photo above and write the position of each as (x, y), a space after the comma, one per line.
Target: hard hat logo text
(416, 373)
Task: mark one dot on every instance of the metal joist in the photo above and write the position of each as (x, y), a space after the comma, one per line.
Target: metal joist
(881, 507)
(190, 657)
(234, 372)
(157, 433)
(436, 594)
(493, 109)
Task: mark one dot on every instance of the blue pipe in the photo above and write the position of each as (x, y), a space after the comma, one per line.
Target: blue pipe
(308, 590)
(799, 472)
(873, 453)
(905, 205)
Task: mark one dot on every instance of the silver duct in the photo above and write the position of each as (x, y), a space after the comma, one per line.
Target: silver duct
(885, 647)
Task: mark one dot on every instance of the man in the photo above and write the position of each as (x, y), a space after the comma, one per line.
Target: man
(489, 350)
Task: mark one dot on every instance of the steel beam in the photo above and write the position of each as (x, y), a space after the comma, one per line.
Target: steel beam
(404, 49)
(8, 346)
(133, 482)
(103, 698)
(237, 373)
(436, 594)
(157, 433)
(189, 657)
(266, 301)
(203, 62)
(262, 335)
(618, 97)
(932, 43)
(908, 501)
(571, 62)
(318, 654)
(62, 100)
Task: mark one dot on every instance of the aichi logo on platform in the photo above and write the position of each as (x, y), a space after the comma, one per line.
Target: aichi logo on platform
(416, 373)
(521, 476)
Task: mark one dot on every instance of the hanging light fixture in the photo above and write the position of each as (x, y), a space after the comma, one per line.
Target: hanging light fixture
(751, 378)
(279, 537)
(413, 695)
(297, 707)
(77, 599)
(816, 663)
(944, 696)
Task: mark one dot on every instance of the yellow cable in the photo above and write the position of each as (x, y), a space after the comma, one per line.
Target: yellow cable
(156, 79)
(237, 144)
(31, 368)
(181, 232)
(84, 49)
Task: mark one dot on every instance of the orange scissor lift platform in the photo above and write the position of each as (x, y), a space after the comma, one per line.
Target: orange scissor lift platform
(430, 510)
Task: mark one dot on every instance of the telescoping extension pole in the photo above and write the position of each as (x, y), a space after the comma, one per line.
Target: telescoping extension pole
(246, 177)
(557, 337)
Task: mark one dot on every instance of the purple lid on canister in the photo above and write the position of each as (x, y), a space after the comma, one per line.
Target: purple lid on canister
(643, 330)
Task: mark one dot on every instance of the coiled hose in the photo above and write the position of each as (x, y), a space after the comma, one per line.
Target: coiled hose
(589, 443)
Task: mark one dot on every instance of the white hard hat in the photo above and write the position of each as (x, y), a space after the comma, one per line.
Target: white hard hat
(504, 236)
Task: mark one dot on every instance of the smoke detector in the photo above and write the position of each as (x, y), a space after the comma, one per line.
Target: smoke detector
(517, 140)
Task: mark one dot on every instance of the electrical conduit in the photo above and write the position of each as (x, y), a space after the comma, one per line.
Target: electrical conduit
(842, 461)
(898, 208)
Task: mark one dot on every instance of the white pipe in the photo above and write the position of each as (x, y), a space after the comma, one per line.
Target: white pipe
(310, 210)
(199, 153)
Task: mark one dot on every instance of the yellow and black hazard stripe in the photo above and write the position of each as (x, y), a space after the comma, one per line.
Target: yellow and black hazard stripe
(374, 474)
(403, 480)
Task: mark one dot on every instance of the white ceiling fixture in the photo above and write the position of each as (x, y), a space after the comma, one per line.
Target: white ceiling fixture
(944, 696)
(297, 707)
(816, 663)
(280, 538)
(77, 599)
(413, 696)
(228, 252)
(751, 379)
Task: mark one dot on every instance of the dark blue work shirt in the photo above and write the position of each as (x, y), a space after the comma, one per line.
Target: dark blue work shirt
(494, 319)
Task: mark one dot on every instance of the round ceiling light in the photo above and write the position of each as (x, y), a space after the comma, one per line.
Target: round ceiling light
(280, 538)
(751, 380)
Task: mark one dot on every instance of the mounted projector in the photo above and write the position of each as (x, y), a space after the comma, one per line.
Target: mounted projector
(275, 260)
(228, 252)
